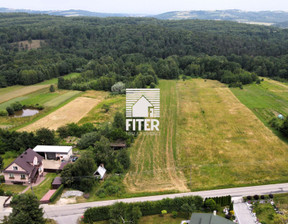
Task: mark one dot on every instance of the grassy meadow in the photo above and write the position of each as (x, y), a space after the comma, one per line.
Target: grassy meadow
(266, 101)
(208, 140)
(154, 157)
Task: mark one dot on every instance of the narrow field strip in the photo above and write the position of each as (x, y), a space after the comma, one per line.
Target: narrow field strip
(71, 112)
(20, 92)
(60, 99)
(154, 167)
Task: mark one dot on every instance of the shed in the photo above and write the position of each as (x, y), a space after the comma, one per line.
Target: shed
(56, 182)
(54, 151)
(118, 145)
(100, 172)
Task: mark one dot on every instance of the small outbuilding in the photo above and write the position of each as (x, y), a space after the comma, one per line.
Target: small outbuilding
(54, 152)
(56, 183)
(118, 145)
(100, 172)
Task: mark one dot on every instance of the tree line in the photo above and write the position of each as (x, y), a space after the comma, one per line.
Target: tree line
(70, 44)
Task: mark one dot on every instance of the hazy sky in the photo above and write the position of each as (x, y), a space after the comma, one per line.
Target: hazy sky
(145, 6)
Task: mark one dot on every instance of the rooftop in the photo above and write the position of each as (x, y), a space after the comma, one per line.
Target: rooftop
(208, 218)
(52, 148)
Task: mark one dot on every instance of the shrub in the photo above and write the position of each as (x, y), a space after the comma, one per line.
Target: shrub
(249, 198)
(152, 85)
(10, 110)
(147, 208)
(163, 212)
(2, 179)
(17, 106)
(174, 214)
(262, 197)
(8, 193)
(256, 197)
(271, 196)
(52, 89)
(3, 113)
(57, 193)
(2, 193)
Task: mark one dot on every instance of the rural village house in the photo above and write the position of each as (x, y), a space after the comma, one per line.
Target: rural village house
(25, 168)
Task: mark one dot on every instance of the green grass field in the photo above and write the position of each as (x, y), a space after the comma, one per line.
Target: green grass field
(15, 188)
(208, 140)
(54, 81)
(266, 100)
(60, 99)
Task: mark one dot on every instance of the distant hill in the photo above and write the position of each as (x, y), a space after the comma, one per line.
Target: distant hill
(68, 13)
(276, 18)
(262, 17)
(282, 25)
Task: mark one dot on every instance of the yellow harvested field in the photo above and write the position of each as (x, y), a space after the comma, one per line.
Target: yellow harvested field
(71, 112)
(21, 92)
(221, 142)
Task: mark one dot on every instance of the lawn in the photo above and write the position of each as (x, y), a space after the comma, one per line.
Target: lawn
(15, 188)
(153, 219)
(264, 212)
(266, 100)
(208, 140)
(43, 187)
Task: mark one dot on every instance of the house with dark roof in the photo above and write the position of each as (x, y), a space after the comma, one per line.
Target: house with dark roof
(25, 168)
(208, 218)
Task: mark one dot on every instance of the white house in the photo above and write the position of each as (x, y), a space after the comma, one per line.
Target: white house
(142, 108)
(54, 151)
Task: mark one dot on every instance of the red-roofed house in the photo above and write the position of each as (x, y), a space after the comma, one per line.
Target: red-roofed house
(25, 168)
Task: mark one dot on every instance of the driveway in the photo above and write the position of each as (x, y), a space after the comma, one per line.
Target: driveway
(243, 214)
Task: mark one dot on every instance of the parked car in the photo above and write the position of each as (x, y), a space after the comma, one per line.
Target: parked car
(73, 158)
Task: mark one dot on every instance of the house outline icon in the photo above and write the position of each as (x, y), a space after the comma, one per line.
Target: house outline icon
(143, 108)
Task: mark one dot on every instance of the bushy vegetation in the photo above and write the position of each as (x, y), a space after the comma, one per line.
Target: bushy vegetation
(146, 208)
(20, 141)
(57, 193)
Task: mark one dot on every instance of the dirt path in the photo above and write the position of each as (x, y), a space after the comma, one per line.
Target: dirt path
(71, 112)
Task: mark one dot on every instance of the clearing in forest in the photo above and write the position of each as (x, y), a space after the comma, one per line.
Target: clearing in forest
(71, 112)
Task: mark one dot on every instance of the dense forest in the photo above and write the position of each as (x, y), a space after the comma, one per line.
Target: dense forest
(136, 50)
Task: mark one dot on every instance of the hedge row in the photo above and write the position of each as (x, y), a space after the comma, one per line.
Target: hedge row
(224, 200)
(57, 193)
(147, 208)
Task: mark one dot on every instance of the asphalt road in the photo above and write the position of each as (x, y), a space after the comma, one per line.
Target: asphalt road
(70, 213)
